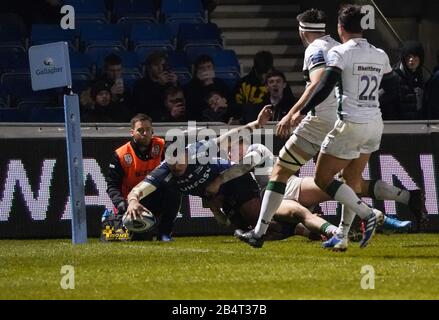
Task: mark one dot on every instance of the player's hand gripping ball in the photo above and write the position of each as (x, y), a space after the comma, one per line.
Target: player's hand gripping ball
(143, 223)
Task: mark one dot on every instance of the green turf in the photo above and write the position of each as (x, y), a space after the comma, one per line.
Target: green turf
(406, 267)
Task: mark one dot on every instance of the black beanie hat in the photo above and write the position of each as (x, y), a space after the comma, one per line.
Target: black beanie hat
(415, 48)
(98, 87)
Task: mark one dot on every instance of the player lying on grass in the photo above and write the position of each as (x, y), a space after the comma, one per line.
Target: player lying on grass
(302, 196)
(238, 194)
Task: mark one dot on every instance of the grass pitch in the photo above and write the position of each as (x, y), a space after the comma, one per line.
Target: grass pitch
(406, 267)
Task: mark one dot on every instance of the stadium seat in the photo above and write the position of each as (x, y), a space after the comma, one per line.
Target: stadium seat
(129, 11)
(13, 61)
(101, 37)
(14, 115)
(199, 35)
(172, 10)
(12, 37)
(19, 92)
(89, 10)
(82, 64)
(151, 37)
(42, 114)
(176, 12)
(79, 84)
(45, 33)
(15, 78)
(129, 79)
(179, 64)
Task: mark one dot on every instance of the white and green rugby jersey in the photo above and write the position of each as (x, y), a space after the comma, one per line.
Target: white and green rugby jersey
(363, 67)
(316, 55)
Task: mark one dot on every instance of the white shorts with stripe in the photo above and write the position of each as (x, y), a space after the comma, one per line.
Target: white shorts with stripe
(348, 140)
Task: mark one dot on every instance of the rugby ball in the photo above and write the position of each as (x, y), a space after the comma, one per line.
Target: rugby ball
(144, 223)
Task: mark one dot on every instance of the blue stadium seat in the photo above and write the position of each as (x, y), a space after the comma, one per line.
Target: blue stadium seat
(129, 79)
(151, 37)
(4, 98)
(128, 11)
(45, 33)
(14, 115)
(82, 63)
(179, 64)
(79, 84)
(101, 37)
(11, 38)
(177, 60)
(45, 114)
(19, 91)
(199, 35)
(173, 10)
(176, 12)
(15, 78)
(13, 61)
(89, 10)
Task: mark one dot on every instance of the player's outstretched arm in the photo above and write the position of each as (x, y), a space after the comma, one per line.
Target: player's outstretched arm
(283, 128)
(263, 117)
(331, 77)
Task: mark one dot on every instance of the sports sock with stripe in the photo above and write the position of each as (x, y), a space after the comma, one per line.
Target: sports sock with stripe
(273, 197)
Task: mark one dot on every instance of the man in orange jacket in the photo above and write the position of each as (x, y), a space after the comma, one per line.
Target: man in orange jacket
(130, 164)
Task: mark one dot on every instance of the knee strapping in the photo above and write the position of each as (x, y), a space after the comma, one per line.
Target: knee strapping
(290, 159)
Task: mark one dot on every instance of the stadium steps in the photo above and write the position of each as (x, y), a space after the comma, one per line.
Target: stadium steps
(250, 26)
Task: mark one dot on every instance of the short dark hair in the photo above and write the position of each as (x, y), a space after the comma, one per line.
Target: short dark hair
(312, 16)
(154, 57)
(212, 92)
(112, 60)
(275, 73)
(204, 58)
(139, 117)
(263, 61)
(171, 90)
(349, 17)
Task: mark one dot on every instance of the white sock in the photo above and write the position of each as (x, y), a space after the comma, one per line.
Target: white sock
(347, 196)
(273, 197)
(385, 191)
(347, 217)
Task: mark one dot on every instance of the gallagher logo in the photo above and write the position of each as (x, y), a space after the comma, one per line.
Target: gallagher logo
(49, 67)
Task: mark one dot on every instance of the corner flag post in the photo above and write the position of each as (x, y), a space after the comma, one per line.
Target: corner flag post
(50, 68)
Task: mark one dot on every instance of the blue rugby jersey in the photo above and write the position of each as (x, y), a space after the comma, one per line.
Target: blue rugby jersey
(196, 177)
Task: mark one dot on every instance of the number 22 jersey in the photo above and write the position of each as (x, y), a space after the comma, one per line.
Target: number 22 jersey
(363, 67)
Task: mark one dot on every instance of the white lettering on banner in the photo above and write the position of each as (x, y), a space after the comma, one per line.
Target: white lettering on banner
(197, 210)
(36, 197)
(92, 170)
(37, 202)
(390, 169)
(427, 166)
(366, 176)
